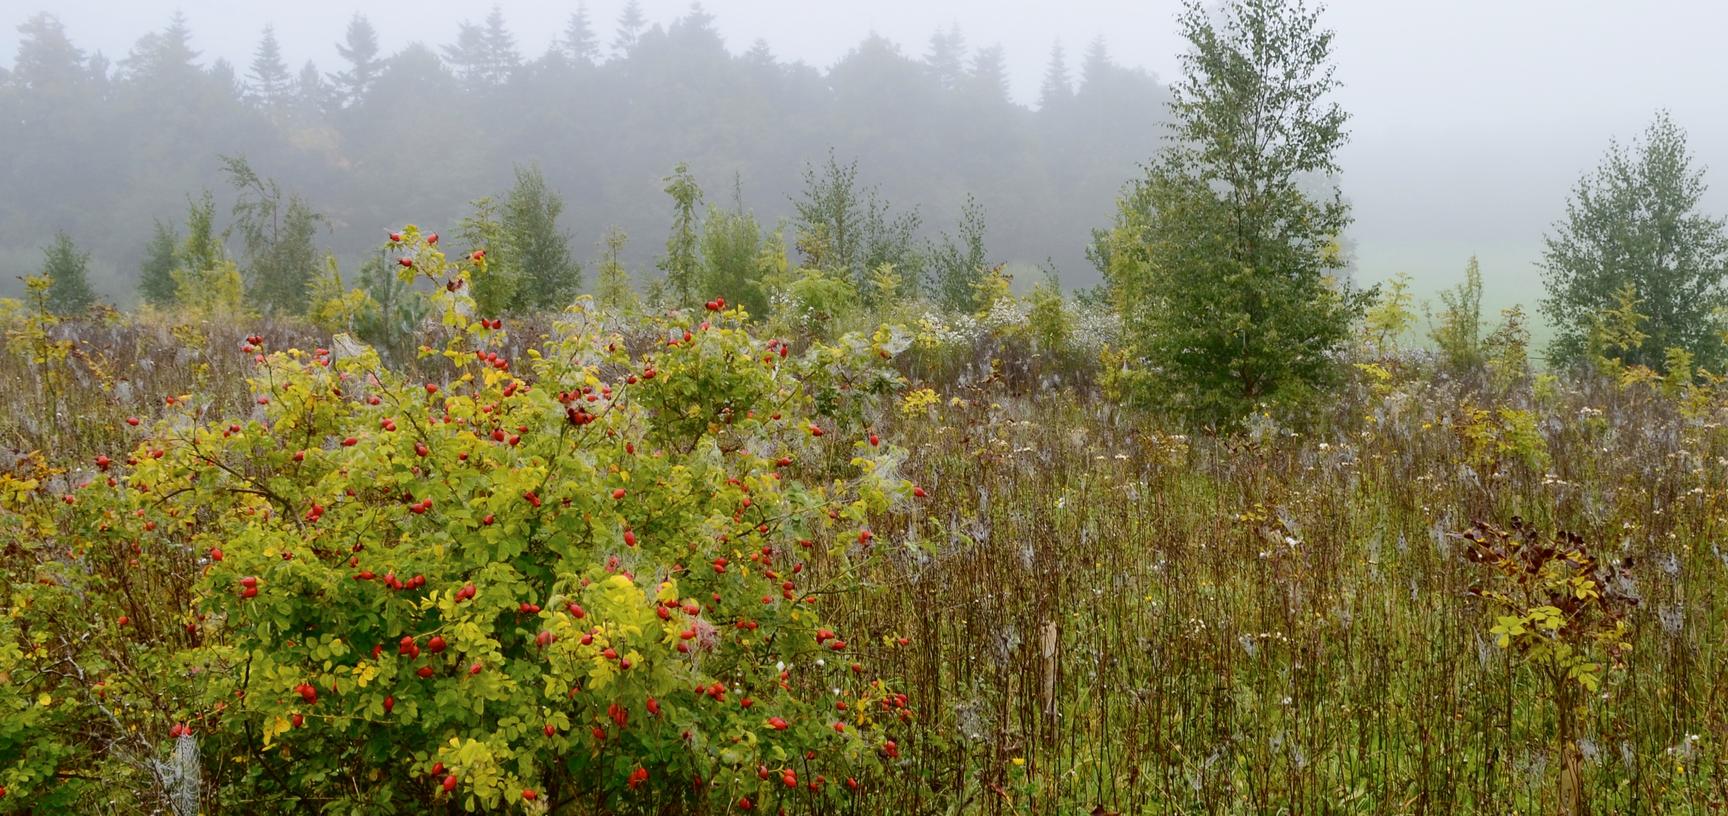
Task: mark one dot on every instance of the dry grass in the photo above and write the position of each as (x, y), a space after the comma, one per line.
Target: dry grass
(1107, 618)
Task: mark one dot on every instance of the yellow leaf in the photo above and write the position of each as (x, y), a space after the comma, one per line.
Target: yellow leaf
(277, 725)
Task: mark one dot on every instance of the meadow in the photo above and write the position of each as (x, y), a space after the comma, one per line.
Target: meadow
(1090, 613)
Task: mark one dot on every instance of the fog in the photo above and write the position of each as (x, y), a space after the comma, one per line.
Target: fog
(1471, 119)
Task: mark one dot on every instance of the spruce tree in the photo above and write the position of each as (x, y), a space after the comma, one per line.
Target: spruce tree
(156, 271)
(360, 48)
(988, 79)
(268, 81)
(498, 47)
(1058, 88)
(946, 58)
(580, 42)
(630, 25)
(67, 271)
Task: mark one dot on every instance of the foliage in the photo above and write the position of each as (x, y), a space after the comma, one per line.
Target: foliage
(280, 260)
(846, 230)
(733, 257)
(1635, 222)
(500, 590)
(612, 289)
(496, 287)
(67, 271)
(534, 246)
(681, 263)
(1562, 613)
(213, 293)
(1507, 349)
(1049, 321)
(1457, 336)
(1390, 317)
(156, 269)
(957, 266)
(816, 301)
(336, 308)
(1616, 332)
(1221, 261)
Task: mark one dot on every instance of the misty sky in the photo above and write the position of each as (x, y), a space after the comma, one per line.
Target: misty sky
(1471, 118)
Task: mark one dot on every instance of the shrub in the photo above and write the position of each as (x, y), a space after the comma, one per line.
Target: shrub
(578, 575)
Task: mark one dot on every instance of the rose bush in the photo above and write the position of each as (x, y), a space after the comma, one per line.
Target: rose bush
(575, 580)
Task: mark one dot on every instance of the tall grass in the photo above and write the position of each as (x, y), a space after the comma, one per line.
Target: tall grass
(1101, 616)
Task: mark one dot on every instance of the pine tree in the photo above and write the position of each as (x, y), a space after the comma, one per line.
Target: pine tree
(360, 49)
(1636, 222)
(580, 42)
(681, 263)
(67, 271)
(156, 271)
(268, 80)
(630, 25)
(1223, 265)
(1058, 88)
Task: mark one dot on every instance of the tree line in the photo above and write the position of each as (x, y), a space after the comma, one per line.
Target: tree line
(1223, 262)
(105, 148)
